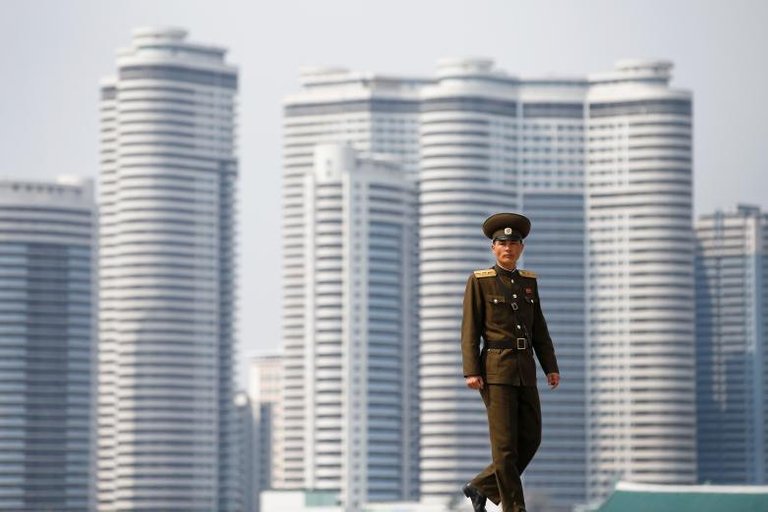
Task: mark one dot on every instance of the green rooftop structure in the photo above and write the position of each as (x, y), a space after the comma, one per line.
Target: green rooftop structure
(633, 497)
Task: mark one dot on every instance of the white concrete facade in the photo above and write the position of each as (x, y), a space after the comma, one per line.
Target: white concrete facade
(359, 245)
(731, 325)
(376, 115)
(167, 270)
(492, 142)
(48, 352)
(640, 292)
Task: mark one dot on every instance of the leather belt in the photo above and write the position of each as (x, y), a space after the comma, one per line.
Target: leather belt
(518, 343)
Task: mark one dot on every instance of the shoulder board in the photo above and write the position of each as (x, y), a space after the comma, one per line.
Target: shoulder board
(488, 272)
(527, 273)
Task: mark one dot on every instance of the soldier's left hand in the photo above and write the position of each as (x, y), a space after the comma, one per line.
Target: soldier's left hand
(553, 379)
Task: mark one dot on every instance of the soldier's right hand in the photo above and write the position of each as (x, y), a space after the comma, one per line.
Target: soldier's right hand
(474, 381)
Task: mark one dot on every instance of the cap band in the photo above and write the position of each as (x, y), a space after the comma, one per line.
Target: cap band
(507, 234)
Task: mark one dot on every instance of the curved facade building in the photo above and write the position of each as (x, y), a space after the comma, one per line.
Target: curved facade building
(468, 171)
(551, 177)
(47, 344)
(490, 143)
(167, 271)
(642, 407)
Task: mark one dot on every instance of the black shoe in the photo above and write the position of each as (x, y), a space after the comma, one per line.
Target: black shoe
(474, 495)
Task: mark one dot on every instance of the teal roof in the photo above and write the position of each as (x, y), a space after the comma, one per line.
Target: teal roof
(316, 498)
(630, 497)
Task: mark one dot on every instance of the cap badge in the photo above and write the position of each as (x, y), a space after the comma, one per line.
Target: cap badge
(507, 231)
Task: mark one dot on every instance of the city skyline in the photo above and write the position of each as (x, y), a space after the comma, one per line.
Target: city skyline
(172, 148)
(708, 55)
(605, 158)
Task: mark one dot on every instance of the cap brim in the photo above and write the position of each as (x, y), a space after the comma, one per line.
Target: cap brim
(516, 238)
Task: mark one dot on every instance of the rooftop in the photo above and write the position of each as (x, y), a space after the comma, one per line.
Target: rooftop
(633, 497)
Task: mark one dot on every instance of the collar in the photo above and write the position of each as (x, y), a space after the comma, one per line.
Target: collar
(503, 271)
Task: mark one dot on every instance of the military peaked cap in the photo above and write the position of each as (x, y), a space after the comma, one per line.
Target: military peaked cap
(506, 226)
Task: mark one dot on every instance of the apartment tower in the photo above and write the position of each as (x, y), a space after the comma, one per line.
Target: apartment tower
(326, 224)
(167, 270)
(731, 316)
(640, 294)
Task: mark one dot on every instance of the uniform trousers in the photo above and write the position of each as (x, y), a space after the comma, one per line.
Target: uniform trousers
(514, 422)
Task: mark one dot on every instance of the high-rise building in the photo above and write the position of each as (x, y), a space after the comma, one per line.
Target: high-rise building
(47, 344)
(377, 115)
(731, 327)
(640, 294)
(264, 392)
(167, 270)
(359, 244)
(492, 142)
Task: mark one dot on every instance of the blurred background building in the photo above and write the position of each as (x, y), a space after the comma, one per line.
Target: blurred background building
(731, 325)
(359, 281)
(331, 285)
(245, 455)
(47, 344)
(640, 294)
(167, 269)
(491, 142)
(264, 392)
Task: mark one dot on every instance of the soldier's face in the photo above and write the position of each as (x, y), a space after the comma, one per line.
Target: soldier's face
(507, 252)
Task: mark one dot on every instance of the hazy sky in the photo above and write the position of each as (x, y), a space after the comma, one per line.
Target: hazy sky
(53, 54)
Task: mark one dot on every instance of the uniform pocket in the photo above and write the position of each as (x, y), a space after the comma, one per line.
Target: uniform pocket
(497, 305)
(497, 299)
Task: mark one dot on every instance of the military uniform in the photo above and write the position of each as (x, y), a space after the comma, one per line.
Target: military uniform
(502, 307)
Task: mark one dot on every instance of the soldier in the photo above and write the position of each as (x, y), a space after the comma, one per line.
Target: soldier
(501, 306)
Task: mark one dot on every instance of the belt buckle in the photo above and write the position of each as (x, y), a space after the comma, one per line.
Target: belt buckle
(522, 343)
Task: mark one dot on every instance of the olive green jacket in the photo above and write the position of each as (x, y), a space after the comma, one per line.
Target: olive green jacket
(489, 314)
